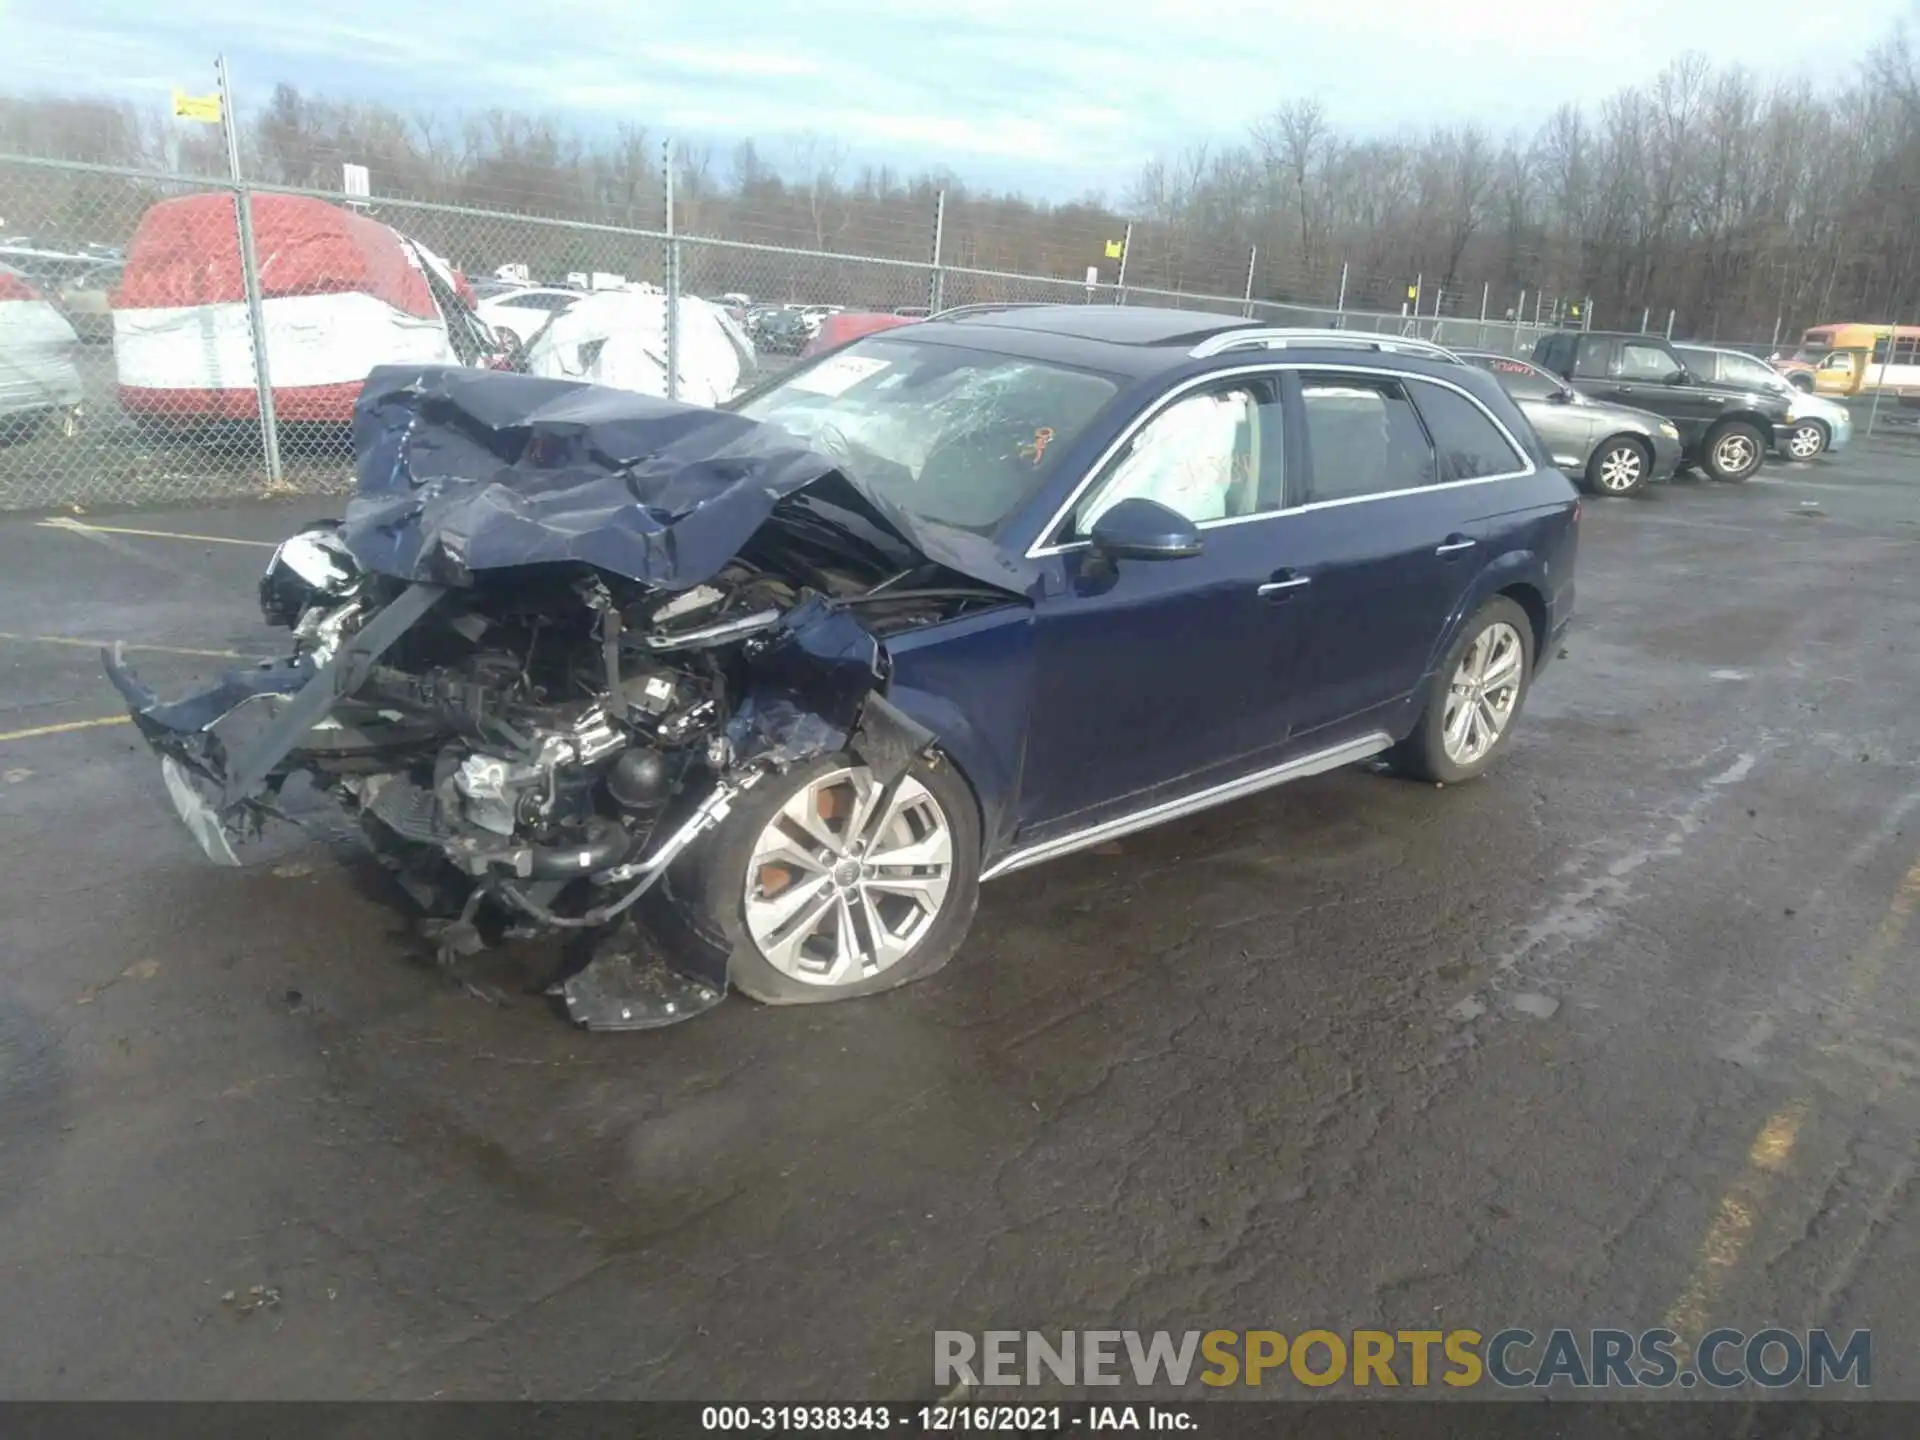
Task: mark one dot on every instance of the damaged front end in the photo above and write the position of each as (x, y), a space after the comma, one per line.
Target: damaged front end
(558, 633)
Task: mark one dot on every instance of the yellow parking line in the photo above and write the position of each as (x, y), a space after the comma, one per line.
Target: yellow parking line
(62, 729)
(61, 522)
(85, 644)
(1738, 1213)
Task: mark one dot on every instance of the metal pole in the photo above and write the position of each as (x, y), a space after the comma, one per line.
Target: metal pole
(1537, 301)
(250, 278)
(1646, 319)
(1670, 315)
(1586, 313)
(1418, 280)
(1519, 318)
(1776, 331)
(936, 281)
(1253, 255)
(673, 282)
(1340, 301)
(1126, 253)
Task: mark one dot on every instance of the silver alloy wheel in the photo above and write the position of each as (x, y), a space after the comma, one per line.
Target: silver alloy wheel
(1621, 468)
(846, 879)
(1484, 690)
(1735, 454)
(1806, 441)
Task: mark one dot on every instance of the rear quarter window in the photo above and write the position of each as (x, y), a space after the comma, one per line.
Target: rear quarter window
(1470, 445)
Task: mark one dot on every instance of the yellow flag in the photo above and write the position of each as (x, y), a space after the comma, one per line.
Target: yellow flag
(196, 107)
(1413, 292)
(1114, 247)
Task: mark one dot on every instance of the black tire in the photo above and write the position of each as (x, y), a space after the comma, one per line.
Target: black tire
(1723, 442)
(1807, 440)
(1619, 465)
(1423, 753)
(708, 888)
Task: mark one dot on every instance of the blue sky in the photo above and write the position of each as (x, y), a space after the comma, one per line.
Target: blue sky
(1059, 96)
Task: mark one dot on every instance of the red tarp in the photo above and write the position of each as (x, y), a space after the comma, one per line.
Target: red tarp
(187, 252)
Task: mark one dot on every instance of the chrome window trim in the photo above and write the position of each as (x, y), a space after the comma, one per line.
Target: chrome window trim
(1347, 752)
(1039, 550)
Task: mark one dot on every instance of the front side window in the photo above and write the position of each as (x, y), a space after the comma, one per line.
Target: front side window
(961, 437)
(1213, 455)
(1363, 438)
(1470, 444)
(1643, 362)
(1590, 360)
(1742, 371)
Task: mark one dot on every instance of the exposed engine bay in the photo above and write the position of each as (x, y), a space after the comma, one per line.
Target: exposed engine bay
(546, 738)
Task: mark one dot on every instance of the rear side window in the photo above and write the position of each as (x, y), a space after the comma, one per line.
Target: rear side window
(1470, 445)
(1363, 438)
(1517, 377)
(1590, 359)
(1640, 361)
(1555, 352)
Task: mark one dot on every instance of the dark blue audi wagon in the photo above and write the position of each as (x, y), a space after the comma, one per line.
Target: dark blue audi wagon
(759, 696)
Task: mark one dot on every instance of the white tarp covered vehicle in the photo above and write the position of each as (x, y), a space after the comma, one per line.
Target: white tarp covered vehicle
(38, 377)
(619, 338)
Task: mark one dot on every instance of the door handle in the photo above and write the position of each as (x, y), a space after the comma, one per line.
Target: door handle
(1283, 584)
(1454, 544)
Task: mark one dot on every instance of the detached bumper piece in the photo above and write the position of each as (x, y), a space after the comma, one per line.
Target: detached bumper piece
(630, 985)
(223, 749)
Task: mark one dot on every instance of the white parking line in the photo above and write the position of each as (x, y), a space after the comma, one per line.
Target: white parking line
(62, 522)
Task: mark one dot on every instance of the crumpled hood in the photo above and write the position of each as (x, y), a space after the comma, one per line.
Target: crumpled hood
(470, 470)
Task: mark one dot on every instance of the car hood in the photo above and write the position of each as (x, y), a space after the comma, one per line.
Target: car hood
(1612, 414)
(463, 471)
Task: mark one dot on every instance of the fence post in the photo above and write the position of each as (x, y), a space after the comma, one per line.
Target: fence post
(250, 280)
(1586, 313)
(936, 280)
(1253, 255)
(1670, 315)
(1776, 331)
(1340, 300)
(1126, 254)
(673, 283)
(1646, 319)
(1519, 318)
(1486, 293)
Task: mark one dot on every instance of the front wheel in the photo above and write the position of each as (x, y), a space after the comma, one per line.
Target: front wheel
(1619, 467)
(1475, 697)
(1807, 440)
(825, 885)
(1734, 451)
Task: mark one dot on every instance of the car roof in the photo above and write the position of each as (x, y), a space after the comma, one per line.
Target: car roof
(1133, 340)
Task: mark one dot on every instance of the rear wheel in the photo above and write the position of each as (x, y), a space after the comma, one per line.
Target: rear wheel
(1474, 700)
(1807, 440)
(1734, 451)
(822, 885)
(1619, 466)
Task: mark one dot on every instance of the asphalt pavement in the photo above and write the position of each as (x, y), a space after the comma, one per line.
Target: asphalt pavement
(1624, 1033)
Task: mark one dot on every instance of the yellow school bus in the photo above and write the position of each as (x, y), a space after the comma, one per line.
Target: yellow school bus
(1854, 359)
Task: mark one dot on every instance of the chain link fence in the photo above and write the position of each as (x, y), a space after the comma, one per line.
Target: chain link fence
(150, 354)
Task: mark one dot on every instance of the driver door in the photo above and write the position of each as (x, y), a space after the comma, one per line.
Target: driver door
(1157, 677)
(1839, 374)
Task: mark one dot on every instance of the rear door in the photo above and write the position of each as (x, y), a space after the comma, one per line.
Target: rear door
(1398, 475)
(1564, 428)
(1640, 374)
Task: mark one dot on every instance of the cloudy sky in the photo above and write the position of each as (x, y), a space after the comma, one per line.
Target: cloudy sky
(1052, 95)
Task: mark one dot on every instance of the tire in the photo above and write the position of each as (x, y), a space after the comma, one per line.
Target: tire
(722, 896)
(1733, 451)
(1807, 440)
(1619, 465)
(1426, 753)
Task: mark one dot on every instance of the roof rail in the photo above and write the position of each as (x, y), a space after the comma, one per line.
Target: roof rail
(1266, 338)
(988, 308)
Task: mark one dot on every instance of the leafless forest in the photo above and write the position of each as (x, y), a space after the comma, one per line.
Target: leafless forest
(1734, 201)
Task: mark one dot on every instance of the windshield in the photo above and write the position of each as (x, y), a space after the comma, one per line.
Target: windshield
(962, 437)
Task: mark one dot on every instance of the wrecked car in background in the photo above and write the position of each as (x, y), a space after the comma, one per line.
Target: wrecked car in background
(786, 681)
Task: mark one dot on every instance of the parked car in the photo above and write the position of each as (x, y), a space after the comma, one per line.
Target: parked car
(85, 297)
(960, 598)
(39, 379)
(837, 329)
(619, 338)
(1815, 424)
(1725, 429)
(523, 311)
(1610, 449)
(780, 331)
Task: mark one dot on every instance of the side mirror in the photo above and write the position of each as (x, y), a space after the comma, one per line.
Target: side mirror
(1677, 377)
(1140, 529)
(1562, 396)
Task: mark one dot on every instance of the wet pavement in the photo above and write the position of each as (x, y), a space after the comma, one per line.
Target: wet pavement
(1625, 1033)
